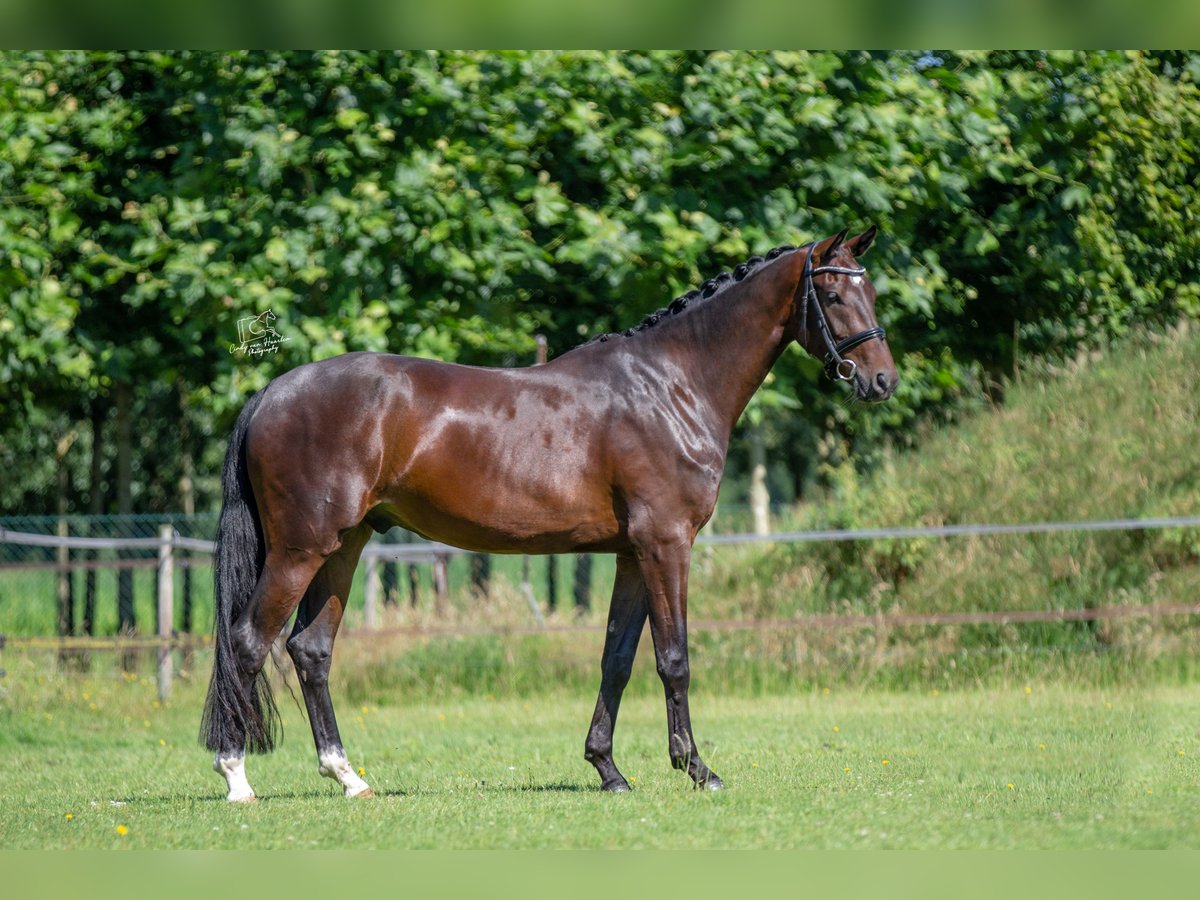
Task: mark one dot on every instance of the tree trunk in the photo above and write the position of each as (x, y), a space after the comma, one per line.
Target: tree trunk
(126, 619)
(552, 582)
(760, 497)
(95, 507)
(481, 574)
(187, 502)
(583, 582)
(65, 587)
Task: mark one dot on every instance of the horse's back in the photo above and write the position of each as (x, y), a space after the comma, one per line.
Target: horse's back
(491, 459)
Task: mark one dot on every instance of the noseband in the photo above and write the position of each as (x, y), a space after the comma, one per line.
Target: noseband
(837, 366)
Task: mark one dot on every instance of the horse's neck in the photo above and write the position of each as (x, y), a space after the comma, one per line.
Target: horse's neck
(731, 341)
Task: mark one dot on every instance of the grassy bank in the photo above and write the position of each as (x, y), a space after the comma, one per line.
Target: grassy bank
(1109, 436)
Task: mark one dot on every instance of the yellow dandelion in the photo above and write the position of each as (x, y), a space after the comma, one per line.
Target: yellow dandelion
(754, 765)
(846, 770)
(1011, 786)
(365, 710)
(122, 830)
(1149, 790)
(145, 723)
(633, 779)
(835, 728)
(361, 771)
(69, 816)
(886, 763)
(1181, 753)
(825, 690)
(162, 742)
(1028, 689)
(935, 693)
(1041, 746)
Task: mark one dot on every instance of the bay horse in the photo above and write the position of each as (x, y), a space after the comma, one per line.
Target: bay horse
(616, 446)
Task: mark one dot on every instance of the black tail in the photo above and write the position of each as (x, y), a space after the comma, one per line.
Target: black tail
(235, 717)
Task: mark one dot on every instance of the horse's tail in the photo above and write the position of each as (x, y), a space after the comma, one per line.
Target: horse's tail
(237, 715)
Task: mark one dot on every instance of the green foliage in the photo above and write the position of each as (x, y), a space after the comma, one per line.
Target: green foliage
(453, 204)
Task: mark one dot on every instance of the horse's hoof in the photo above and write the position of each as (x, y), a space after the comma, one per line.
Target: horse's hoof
(244, 798)
(616, 787)
(362, 794)
(712, 784)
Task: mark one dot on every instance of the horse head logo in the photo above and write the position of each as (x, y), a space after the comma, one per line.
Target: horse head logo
(257, 333)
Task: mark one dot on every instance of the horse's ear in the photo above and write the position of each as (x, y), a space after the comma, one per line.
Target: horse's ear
(861, 244)
(834, 244)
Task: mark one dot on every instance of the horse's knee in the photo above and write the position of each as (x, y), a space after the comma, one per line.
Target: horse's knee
(673, 669)
(312, 655)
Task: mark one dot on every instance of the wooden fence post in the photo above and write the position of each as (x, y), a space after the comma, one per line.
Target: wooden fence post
(166, 607)
(441, 585)
(66, 612)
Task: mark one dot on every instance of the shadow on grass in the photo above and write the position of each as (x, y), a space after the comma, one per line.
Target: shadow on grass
(217, 798)
(561, 787)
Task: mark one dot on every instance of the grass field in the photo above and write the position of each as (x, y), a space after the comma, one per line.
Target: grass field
(94, 761)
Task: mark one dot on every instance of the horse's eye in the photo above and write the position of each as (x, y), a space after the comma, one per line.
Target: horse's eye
(832, 296)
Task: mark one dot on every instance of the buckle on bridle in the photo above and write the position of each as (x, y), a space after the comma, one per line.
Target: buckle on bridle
(844, 369)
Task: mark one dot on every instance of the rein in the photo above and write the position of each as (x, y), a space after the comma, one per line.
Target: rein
(837, 366)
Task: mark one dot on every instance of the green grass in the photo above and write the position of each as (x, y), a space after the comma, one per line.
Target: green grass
(1015, 765)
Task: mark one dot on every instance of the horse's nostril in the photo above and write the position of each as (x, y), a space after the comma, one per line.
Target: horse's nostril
(881, 381)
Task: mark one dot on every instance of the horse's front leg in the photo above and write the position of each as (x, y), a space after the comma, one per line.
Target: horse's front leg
(664, 563)
(626, 616)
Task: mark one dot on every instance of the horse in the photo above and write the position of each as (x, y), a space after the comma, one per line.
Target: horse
(616, 446)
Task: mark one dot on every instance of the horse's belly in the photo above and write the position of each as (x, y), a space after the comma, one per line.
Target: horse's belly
(543, 506)
(517, 529)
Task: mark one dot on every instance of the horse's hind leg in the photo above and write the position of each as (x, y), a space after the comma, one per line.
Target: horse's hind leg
(626, 617)
(311, 649)
(279, 588)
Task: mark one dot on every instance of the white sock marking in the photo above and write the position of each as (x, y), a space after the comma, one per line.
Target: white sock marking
(334, 765)
(234, 770)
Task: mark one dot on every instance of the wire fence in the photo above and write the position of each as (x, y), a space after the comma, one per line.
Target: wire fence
(154, 557)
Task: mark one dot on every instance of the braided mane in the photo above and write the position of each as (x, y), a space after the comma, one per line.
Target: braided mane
(710, 288)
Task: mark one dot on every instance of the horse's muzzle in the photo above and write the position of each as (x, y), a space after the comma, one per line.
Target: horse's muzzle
(878, 388)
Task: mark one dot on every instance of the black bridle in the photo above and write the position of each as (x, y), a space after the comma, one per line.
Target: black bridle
(836, 364)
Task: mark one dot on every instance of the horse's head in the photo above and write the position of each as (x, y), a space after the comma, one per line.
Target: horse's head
(835, 316)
